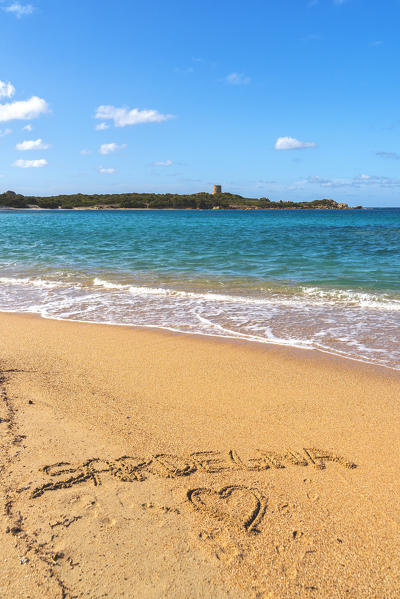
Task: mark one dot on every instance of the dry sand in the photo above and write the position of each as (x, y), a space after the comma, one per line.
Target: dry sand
(142, 464)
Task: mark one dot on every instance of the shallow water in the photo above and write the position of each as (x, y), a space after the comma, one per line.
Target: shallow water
(317, 279)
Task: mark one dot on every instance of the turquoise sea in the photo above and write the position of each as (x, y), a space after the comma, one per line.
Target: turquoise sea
(326, 279)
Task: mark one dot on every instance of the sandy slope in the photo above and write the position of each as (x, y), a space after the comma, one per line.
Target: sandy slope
(143, 464)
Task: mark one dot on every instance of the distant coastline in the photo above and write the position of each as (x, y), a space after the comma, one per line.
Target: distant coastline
(149, 201)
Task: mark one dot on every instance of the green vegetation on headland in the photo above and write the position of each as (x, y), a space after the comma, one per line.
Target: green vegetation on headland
(199, 201)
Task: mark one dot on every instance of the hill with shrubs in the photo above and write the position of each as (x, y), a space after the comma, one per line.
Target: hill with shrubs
(199, 201)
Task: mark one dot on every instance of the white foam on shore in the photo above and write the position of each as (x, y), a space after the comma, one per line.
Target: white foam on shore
(356, 298)
(30, 282)
(107, 285)
(347, 323)
(314, 294)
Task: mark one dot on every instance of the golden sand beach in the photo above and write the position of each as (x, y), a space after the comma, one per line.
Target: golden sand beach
(144, 464)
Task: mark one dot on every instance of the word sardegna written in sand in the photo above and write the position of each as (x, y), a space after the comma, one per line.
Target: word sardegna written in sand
(131, 469)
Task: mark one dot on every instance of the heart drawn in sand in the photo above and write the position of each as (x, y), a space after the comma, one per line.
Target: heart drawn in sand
(236, 504)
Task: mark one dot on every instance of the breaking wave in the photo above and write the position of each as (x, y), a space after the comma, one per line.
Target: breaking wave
(350, 323)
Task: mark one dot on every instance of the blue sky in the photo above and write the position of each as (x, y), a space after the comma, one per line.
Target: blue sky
(296, 99)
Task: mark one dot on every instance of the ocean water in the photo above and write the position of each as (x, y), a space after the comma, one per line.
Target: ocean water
(308, 278)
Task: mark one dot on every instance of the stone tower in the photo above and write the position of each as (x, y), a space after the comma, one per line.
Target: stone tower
(216, 189)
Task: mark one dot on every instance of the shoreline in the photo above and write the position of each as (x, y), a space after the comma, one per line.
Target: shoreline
(217, 468)
(95, 209)
(269, 345)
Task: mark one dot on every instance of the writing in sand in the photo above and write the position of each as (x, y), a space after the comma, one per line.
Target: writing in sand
(134, 469)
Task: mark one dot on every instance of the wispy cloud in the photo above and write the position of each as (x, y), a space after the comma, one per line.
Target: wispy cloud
(125, 116)
(312, 3)
(391, 126)
(19, 10)
(377, 43)
(7, 90)
(237, 79)
(110, 148)
(361, 181)
(23, 110)
(185, 70)
(102, 127)
(162, 163)
(311, 37)
(85, 152)
(27, 128)
(30, 163)
(389, 155)
(4, 132)
(291, 143)
(107, 171)
(36, 144)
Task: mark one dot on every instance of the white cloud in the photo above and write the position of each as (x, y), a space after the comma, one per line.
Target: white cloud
(23, 110)
(162, 163)
(19, 10)
(7, 90)
(36, 144)
(108, 171)
(85, 152)
(27, 128)
(102, 127)
(291, 143)
(124, 116)
(237, 79)
(110, 148)
(4, 132)
(30, 163)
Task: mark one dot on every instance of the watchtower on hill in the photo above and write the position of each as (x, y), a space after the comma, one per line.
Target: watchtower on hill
(216, 189)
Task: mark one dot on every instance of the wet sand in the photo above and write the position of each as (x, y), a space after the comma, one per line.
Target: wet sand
(139, 463)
